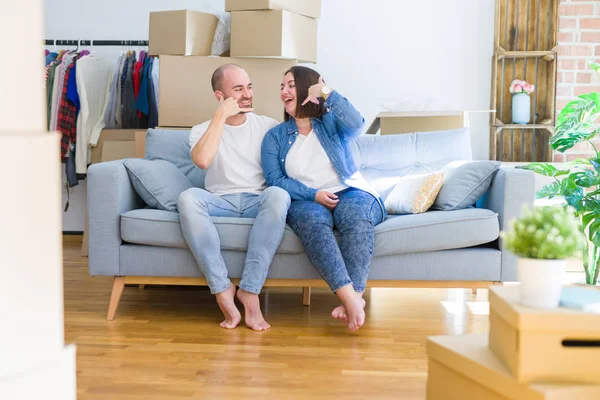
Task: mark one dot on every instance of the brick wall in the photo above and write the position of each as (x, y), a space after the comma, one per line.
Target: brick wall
(579, 41)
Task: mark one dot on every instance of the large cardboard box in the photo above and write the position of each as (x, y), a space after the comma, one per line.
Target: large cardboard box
(463, 367)
(559, 345)
(308, 8)
(276, 33)
(391, 123)
(181, 32)
(186, 97)
(117, 149)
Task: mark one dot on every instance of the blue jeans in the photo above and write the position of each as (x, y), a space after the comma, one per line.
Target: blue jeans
(196, 206)
(355, 216)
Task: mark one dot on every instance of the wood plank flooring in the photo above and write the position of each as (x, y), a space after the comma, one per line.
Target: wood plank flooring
(165, 342)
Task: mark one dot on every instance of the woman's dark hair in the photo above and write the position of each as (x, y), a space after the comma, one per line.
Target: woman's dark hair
(305, 78)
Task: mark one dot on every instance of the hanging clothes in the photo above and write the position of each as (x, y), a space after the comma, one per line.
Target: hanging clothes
(94, 79)
(66, 118)
(129, 117)
(152, 106)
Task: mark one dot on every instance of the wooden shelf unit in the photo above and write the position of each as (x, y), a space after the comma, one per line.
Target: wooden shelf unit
(525, 43)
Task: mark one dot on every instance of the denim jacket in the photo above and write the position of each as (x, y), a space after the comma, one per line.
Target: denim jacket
(336, 130)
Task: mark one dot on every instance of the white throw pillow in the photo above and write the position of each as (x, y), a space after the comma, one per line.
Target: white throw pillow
(414, 194)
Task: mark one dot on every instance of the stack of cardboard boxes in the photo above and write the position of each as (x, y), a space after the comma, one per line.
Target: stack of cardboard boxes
(267, 38)
(529, 354)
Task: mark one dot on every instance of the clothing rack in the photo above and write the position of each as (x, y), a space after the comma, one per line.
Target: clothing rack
(52, 42)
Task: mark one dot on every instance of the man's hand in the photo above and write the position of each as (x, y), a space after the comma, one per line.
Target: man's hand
(326, 199)
(314, 92)
(229, 107)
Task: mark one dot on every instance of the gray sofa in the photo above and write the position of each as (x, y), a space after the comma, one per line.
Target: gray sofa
(461, 248)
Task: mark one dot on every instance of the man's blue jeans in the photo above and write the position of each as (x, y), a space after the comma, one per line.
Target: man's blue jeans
(196, 206)
(355, 217)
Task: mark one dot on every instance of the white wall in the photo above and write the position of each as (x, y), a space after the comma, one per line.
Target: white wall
(419, 53)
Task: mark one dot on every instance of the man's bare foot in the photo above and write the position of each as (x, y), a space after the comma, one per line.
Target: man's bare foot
(226, 302)
(252, 315)
(340, 311)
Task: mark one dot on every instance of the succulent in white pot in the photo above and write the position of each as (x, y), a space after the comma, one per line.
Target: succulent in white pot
(543, 239)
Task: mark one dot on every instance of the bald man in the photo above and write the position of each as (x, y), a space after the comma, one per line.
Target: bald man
(228, 148)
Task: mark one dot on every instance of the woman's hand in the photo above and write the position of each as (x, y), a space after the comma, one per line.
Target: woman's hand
(326, 199)
(314, 92)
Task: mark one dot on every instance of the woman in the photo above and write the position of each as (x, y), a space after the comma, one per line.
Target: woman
(309, 155)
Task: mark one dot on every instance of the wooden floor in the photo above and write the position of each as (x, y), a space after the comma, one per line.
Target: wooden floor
(165, 343)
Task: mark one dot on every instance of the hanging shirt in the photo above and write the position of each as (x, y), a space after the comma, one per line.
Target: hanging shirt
(155, 73)
(308, 163)
(153, 107)
(67, 113)
(72, 94)
(119, 98)
(49, 89)
(111, 109)
(94, 78)
(142, 100)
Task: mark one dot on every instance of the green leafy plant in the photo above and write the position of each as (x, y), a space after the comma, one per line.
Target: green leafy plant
(550, 233)
(578, 181)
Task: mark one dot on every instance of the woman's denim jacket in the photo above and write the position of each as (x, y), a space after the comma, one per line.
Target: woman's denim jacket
(336, 130)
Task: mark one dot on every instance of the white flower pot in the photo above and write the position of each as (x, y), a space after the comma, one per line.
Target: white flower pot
(541, 282)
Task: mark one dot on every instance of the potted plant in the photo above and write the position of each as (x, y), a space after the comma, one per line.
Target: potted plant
(578, 181)
(521, 102)
(542, 239)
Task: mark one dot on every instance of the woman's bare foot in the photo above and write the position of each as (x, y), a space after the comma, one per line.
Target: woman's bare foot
(354, 305)
(340, 311)
(226, 302)
(253, 316)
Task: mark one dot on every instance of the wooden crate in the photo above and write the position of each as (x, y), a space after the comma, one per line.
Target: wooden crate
(525, 48)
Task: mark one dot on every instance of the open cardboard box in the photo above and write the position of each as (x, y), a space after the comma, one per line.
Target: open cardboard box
(463, 367)
(391, 123)
(559, 345)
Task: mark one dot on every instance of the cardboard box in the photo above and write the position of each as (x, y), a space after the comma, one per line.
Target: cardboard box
(391, 123)
(463, 367)
(181, 32)
(308, 8)
(186, 97)
(275, 33)
(112, 135)
(531, 341)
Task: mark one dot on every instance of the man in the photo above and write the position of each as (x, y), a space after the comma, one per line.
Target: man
(228, 148)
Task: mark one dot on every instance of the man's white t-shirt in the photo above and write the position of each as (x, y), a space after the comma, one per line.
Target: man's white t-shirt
(308, 163)
(237, 166)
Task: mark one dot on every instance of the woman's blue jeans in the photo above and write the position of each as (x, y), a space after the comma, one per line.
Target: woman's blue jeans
(355, 217)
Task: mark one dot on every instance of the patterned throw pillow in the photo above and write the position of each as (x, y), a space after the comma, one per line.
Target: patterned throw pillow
(414, 194)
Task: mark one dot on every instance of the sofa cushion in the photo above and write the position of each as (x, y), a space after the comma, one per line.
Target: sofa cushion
(433, 230)
(414, 194)
(173, 145)
(162, 228)
(158, 182)
(383, 159)
(436, 230)
(465, 183)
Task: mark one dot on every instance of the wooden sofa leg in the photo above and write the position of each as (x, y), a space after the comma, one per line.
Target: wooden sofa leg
(306, 296)
(115, 296)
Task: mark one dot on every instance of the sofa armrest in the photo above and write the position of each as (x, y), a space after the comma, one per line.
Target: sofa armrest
(510, 190)
(110, 194)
